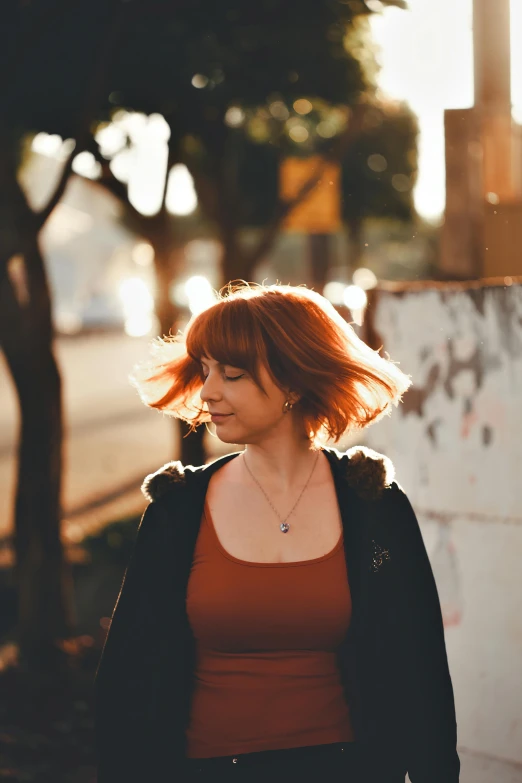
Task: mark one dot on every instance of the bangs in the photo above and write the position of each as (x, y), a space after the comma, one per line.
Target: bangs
(230, 334)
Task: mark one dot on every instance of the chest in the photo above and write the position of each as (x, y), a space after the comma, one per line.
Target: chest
(247, 525)
(235, 605)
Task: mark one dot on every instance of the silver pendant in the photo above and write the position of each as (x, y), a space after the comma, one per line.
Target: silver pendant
(284, 527)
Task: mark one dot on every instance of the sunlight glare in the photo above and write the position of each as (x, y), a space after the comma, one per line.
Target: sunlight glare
(199, 294)
(426, 54)
(516, 59)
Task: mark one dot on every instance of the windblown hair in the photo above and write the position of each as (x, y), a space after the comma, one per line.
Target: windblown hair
(304, 343)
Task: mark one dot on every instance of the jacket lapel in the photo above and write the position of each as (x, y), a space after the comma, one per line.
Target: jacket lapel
(352, 510)
(197, 481)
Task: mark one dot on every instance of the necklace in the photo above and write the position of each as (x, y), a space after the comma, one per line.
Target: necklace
(284, 527)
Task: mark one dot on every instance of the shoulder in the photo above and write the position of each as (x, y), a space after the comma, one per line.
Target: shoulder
(368, 472)
(170, 476)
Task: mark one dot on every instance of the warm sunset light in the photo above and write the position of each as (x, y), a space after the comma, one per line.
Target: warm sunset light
(427, 60)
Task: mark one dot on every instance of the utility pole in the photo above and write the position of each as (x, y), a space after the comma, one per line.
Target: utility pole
(483, 219)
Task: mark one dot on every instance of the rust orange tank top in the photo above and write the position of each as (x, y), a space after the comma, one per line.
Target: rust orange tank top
(266, 635)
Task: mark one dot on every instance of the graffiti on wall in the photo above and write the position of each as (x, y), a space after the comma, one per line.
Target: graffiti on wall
(453, 436)
(456, 442)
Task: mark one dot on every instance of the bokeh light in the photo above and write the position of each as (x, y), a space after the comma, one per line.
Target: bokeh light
(326, 129)
(234, 116)
(199, 294)
(377, 163)
(48, 144)
(111, 138)
(279, 110)
(355, 297)
(334, 292)
(298, 133)
(303, 106)
(181, 197)
(199, 81)
(143, 254)
(138, 306)
(364, 278)
(86, 165)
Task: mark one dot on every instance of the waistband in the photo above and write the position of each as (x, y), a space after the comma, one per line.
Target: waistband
(281, 756)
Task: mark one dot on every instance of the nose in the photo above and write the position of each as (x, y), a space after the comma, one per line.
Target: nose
(211, 389)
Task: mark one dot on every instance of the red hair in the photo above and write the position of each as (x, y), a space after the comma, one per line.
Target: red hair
(305, 345)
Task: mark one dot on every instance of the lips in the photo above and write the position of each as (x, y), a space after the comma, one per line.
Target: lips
(219, 416)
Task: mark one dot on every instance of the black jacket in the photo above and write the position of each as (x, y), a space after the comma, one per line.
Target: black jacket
(393, 661)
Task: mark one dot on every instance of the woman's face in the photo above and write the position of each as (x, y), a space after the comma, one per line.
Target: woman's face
(249, 416)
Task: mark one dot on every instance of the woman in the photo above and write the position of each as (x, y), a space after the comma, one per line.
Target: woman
(279, 618)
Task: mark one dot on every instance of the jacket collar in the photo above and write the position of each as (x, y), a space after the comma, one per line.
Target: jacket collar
(366, 471)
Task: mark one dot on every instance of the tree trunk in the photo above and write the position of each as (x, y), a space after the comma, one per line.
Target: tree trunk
(191, 449)
(42, 575)
(355, 243)
(233, 265)
(320, 258)
(166, 311)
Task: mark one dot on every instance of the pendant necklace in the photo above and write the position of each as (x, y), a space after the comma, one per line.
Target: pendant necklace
(284, 527)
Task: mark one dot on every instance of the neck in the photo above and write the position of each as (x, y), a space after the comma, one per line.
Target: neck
(283, 466)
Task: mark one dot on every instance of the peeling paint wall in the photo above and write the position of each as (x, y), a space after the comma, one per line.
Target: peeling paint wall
(456, 441)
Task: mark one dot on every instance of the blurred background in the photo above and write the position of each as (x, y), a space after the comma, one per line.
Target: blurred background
(149, 154)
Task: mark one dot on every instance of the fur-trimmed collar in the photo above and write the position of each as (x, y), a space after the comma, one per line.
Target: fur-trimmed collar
(367, 471)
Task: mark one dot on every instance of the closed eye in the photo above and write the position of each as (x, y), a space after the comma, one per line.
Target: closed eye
(204, 375)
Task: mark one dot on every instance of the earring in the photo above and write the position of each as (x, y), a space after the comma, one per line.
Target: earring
(287, 406)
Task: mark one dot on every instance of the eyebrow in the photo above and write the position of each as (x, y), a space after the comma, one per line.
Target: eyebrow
(220, 364)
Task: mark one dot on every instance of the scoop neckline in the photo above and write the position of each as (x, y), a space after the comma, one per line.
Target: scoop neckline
(254, 564)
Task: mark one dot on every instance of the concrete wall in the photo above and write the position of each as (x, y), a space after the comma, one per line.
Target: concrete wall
(456, 441)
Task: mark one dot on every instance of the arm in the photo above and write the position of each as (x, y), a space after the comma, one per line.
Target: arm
(122, 686)
(428, 706)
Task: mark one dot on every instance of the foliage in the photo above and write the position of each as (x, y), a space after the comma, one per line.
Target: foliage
(250, 64)
(379, 170)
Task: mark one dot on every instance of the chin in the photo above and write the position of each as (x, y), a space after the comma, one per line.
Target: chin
(234, 436)
(226, 437)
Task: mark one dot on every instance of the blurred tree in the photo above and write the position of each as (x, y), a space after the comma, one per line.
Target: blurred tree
(26, 331)
(379, 171)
